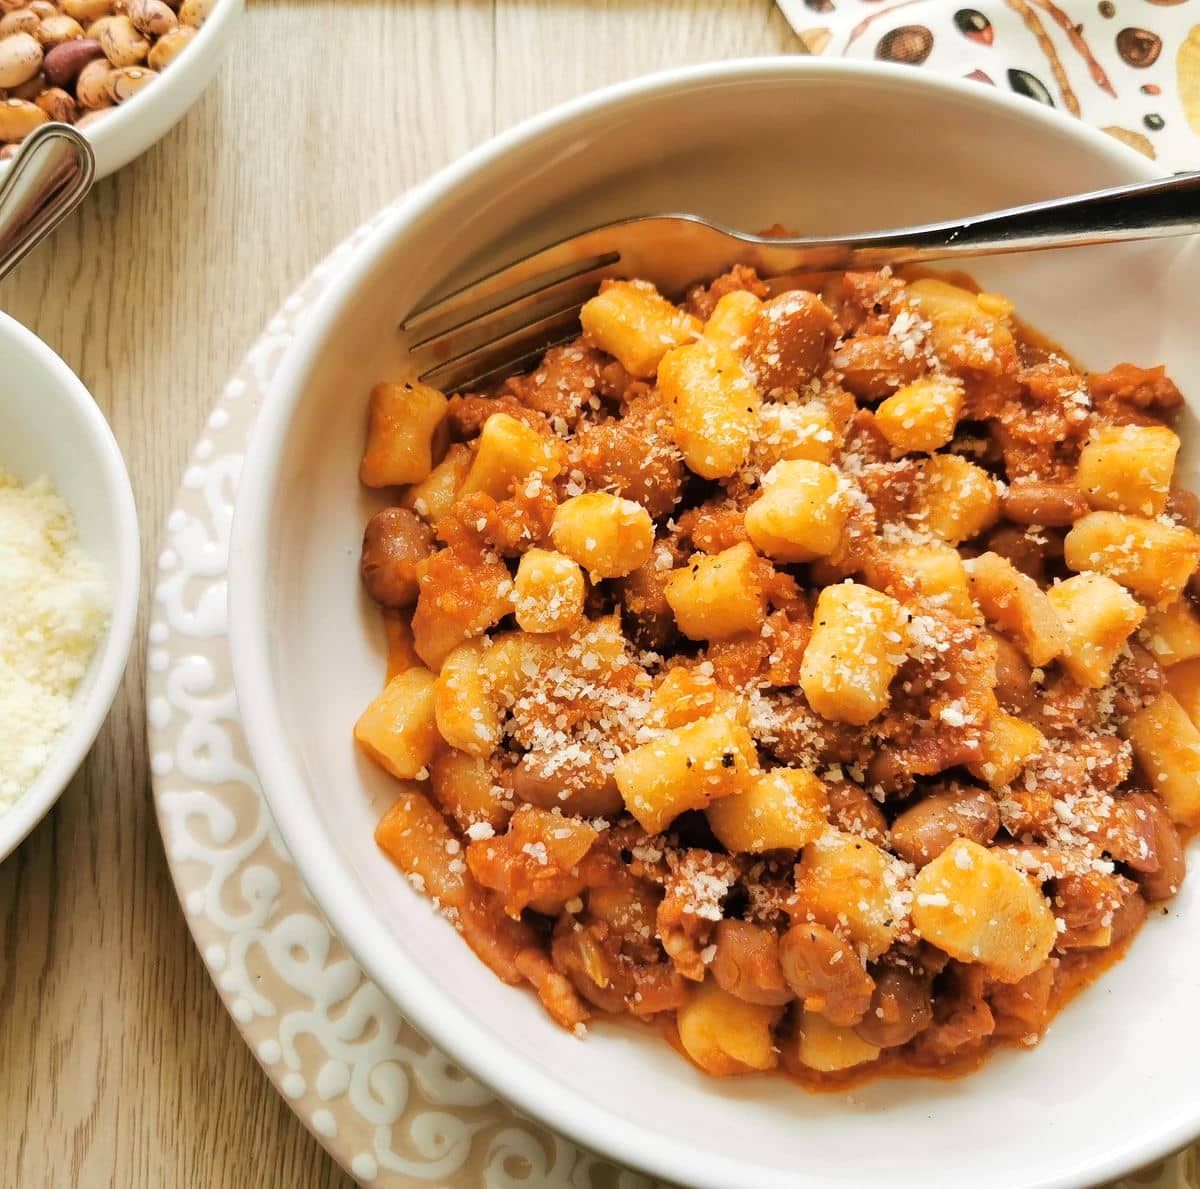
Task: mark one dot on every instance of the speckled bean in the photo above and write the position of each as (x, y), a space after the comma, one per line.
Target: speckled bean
(169, 46)
(20, 59)
(58, 104)
(21, 20)
(91, 87)
(123, 44)
(18, 118)
(123, 84)
(152, 17)
(30, 89)
(57, 29)
(195, 12)
(86, 11)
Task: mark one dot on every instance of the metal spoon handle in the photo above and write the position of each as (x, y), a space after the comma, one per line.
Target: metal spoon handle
(1144, 210)
(46, 181)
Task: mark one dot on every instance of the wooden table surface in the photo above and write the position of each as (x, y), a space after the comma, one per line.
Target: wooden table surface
(118, 1064)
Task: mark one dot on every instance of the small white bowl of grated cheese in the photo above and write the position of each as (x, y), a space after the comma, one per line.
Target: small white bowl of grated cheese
(69, 577)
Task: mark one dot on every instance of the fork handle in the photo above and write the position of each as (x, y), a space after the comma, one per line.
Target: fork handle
(49, 177)
(1144, 210)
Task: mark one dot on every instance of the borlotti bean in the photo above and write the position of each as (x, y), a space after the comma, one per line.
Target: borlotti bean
(75, 61)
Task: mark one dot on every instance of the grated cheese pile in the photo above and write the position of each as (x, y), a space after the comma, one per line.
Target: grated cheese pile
(54, 608)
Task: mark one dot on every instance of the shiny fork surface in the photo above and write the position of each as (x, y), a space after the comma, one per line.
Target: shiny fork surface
(505, 320)
(49, 177)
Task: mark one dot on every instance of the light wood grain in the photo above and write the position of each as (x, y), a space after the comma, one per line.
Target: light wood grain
(118, 1065)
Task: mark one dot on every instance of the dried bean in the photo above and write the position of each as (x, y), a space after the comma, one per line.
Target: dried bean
(152, 17)
(20, 59)
(57, 29)
(195, 12)
(125, 83)
(123, 44)
(169, 46)
(64, 62)
(22, 20)
(18, 118)
(29, 90)
(91, 87)
(87, 10)
(58, 105)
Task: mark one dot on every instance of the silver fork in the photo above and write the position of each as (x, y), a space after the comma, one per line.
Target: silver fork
(48, 178)
(503, 321)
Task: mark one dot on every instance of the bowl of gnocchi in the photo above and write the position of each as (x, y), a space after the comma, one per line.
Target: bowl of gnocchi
(777, 704)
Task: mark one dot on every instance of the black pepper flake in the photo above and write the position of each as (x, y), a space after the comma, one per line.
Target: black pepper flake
(1107, 9)
(1154, 122)
(727, 760)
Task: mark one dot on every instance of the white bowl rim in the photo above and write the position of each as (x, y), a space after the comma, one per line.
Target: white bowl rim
(108, 666)
(463, 1036)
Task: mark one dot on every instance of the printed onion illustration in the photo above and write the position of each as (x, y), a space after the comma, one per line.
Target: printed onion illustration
(973, 25)
(1030, 86)
(1138, 48)
(910, 44)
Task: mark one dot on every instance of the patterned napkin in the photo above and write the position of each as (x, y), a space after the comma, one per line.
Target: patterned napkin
(1131, 67)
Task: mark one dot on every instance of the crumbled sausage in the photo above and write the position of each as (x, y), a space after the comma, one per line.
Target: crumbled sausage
(632, 457)
(962, 1018)
(702, 299)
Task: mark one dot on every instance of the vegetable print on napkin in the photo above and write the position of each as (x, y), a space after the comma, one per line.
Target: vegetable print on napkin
(1130, 67)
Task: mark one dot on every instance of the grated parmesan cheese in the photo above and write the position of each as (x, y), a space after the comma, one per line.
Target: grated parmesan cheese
(54, 608)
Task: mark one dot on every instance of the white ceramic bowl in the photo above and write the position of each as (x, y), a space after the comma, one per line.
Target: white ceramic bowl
(49, 425)
(129, 130)
(820, 146)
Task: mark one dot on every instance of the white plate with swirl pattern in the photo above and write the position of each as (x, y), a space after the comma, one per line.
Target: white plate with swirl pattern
(385, 1104)
(388, 1106)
